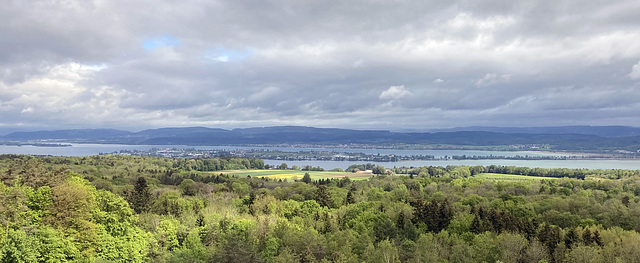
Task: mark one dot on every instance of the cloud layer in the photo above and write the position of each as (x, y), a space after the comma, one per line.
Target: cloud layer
(354, 64)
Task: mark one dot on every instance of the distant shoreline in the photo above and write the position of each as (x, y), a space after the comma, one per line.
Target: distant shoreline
(37, 144)
(532, 154)
(592, 156)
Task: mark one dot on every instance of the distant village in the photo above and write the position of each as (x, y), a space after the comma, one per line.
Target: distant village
(321, 155)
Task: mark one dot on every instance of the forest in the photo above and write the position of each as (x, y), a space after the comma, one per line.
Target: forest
(116, 208)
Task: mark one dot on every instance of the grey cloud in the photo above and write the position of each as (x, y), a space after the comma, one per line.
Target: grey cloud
(320, 63)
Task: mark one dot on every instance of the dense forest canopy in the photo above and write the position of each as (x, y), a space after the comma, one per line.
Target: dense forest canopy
(146, 209)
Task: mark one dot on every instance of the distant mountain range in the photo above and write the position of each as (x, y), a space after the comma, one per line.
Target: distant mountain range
(586, 138)
(602, 131)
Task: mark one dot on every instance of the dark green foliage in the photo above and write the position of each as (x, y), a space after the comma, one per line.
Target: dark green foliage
(306, 178)
(360, 167)
(597, 238)
(188, 187)
(379, 170)
(571, 238)
(587, 237)
(311, 168)
(434, 215)
(550, 237)
(140, 197)
(323, 197)
(350, 199)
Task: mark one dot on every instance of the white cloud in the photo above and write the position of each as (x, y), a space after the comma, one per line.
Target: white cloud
(463, 20)
(27, 110)
(394, 92)
(358, 63)
(635, 71)
(491, 79)
(222, 59)
(438, 80)
(264, 94)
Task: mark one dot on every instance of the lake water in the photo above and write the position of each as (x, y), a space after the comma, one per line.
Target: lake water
(94, 149)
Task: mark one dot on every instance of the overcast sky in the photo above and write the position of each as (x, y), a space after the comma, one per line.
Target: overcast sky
(372, 64)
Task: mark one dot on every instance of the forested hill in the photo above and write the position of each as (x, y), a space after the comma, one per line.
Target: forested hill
(602, 131)
(583, 137)
(114, 208)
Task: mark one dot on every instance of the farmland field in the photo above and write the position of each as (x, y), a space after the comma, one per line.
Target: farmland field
(297, 174)
(509, 177)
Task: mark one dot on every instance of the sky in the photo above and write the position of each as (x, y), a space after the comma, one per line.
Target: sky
(360, 64)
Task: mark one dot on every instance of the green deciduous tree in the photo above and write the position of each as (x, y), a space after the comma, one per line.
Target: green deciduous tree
(73, 202)
(17, 246)
(55, 247)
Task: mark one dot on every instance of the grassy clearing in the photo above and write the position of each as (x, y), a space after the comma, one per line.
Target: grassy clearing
(510, 177)
(295, 174)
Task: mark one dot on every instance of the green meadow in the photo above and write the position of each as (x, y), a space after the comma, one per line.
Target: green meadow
(297, 174)
(317, 175)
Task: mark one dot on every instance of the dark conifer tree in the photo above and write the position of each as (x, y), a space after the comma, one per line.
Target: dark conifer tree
(200, 220)
(350, 199)
(400, 222)
(140, 197)
(476, 225)
(550, 237)
(587, 238)
(570, 238)
(597, 238)
(323, 197)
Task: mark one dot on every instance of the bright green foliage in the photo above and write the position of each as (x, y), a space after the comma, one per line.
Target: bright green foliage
(192, 250)
(120, 240)
(73, 202)
(70, 222)
(17, 246)
(114, 213)
(308, 208)
(38, 201)
(54, 247)
(135, 209)
(271, 247)
(167, 234)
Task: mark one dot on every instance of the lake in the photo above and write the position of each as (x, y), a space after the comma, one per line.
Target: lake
(94, 149)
